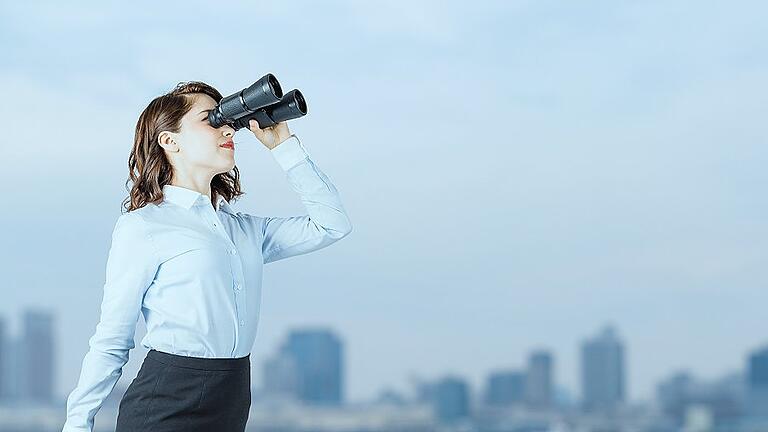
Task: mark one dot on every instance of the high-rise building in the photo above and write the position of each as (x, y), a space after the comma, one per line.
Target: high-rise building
(683, 393)
(280, 376)
(504, 388)
(675, 393)
(319, 365)
(538, 380)
(602, 371)
(4, 372)
(451, 399)
(757, 382)
(15, 370)
(38, 356)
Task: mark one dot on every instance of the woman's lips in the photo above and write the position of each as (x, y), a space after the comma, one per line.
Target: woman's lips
(229, 145)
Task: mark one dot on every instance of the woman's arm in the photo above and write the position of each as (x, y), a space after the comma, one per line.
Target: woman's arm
(326, 221)
(131, 268)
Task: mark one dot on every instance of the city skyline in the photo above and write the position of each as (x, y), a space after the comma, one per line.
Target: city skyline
(308, 368)
(544, 390)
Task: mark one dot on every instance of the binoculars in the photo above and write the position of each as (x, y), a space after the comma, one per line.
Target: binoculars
(263, 101)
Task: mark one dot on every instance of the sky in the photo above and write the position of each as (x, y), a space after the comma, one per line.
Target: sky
(518, 174)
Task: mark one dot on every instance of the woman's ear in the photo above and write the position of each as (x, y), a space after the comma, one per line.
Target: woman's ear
(167, 141)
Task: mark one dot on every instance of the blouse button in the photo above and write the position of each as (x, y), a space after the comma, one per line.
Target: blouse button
(237, 287)
(242, 322)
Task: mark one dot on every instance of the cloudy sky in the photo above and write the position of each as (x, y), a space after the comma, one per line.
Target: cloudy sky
(518, 173)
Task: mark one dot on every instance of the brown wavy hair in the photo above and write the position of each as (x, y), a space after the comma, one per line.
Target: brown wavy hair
(148, 167)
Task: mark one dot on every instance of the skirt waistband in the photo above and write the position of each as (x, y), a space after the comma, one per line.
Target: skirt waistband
(202, 363)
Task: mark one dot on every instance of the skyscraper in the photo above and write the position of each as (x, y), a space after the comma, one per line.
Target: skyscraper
(757, 382)
(38, 356)
(675, 393)
(4, 371)
(602, 371)
(538, 383)
(682, 393)
(505, 388)
(318, 357)
(280, 376)
(15, 370)
(451, 399)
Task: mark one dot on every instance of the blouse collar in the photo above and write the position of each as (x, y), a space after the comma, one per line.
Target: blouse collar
(188, 198)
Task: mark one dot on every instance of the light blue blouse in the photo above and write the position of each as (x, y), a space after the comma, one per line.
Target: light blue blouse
(195, 272)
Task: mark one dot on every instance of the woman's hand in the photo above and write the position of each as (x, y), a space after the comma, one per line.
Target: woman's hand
(270, 136)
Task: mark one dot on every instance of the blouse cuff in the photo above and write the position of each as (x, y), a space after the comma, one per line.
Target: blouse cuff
(289, 153)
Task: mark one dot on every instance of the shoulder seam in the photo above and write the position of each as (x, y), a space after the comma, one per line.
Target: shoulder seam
(155, 249)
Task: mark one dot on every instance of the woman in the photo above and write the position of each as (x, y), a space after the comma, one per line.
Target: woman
(192, 266)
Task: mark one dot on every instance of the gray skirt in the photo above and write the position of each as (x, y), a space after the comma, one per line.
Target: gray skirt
(180, 393)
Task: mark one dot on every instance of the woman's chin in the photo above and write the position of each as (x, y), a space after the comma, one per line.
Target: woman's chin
(227, 167)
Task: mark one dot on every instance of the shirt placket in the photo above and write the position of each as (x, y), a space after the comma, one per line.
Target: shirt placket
(238, 285)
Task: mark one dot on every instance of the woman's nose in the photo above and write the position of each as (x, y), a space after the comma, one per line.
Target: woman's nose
(228, 130)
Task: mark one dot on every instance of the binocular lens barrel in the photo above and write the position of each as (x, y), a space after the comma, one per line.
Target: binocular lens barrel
(263, 101)
(291, 106)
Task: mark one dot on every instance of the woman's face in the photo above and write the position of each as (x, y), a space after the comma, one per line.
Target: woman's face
(198, 144)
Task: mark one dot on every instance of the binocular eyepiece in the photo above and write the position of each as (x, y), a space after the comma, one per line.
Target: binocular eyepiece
(263, 101)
